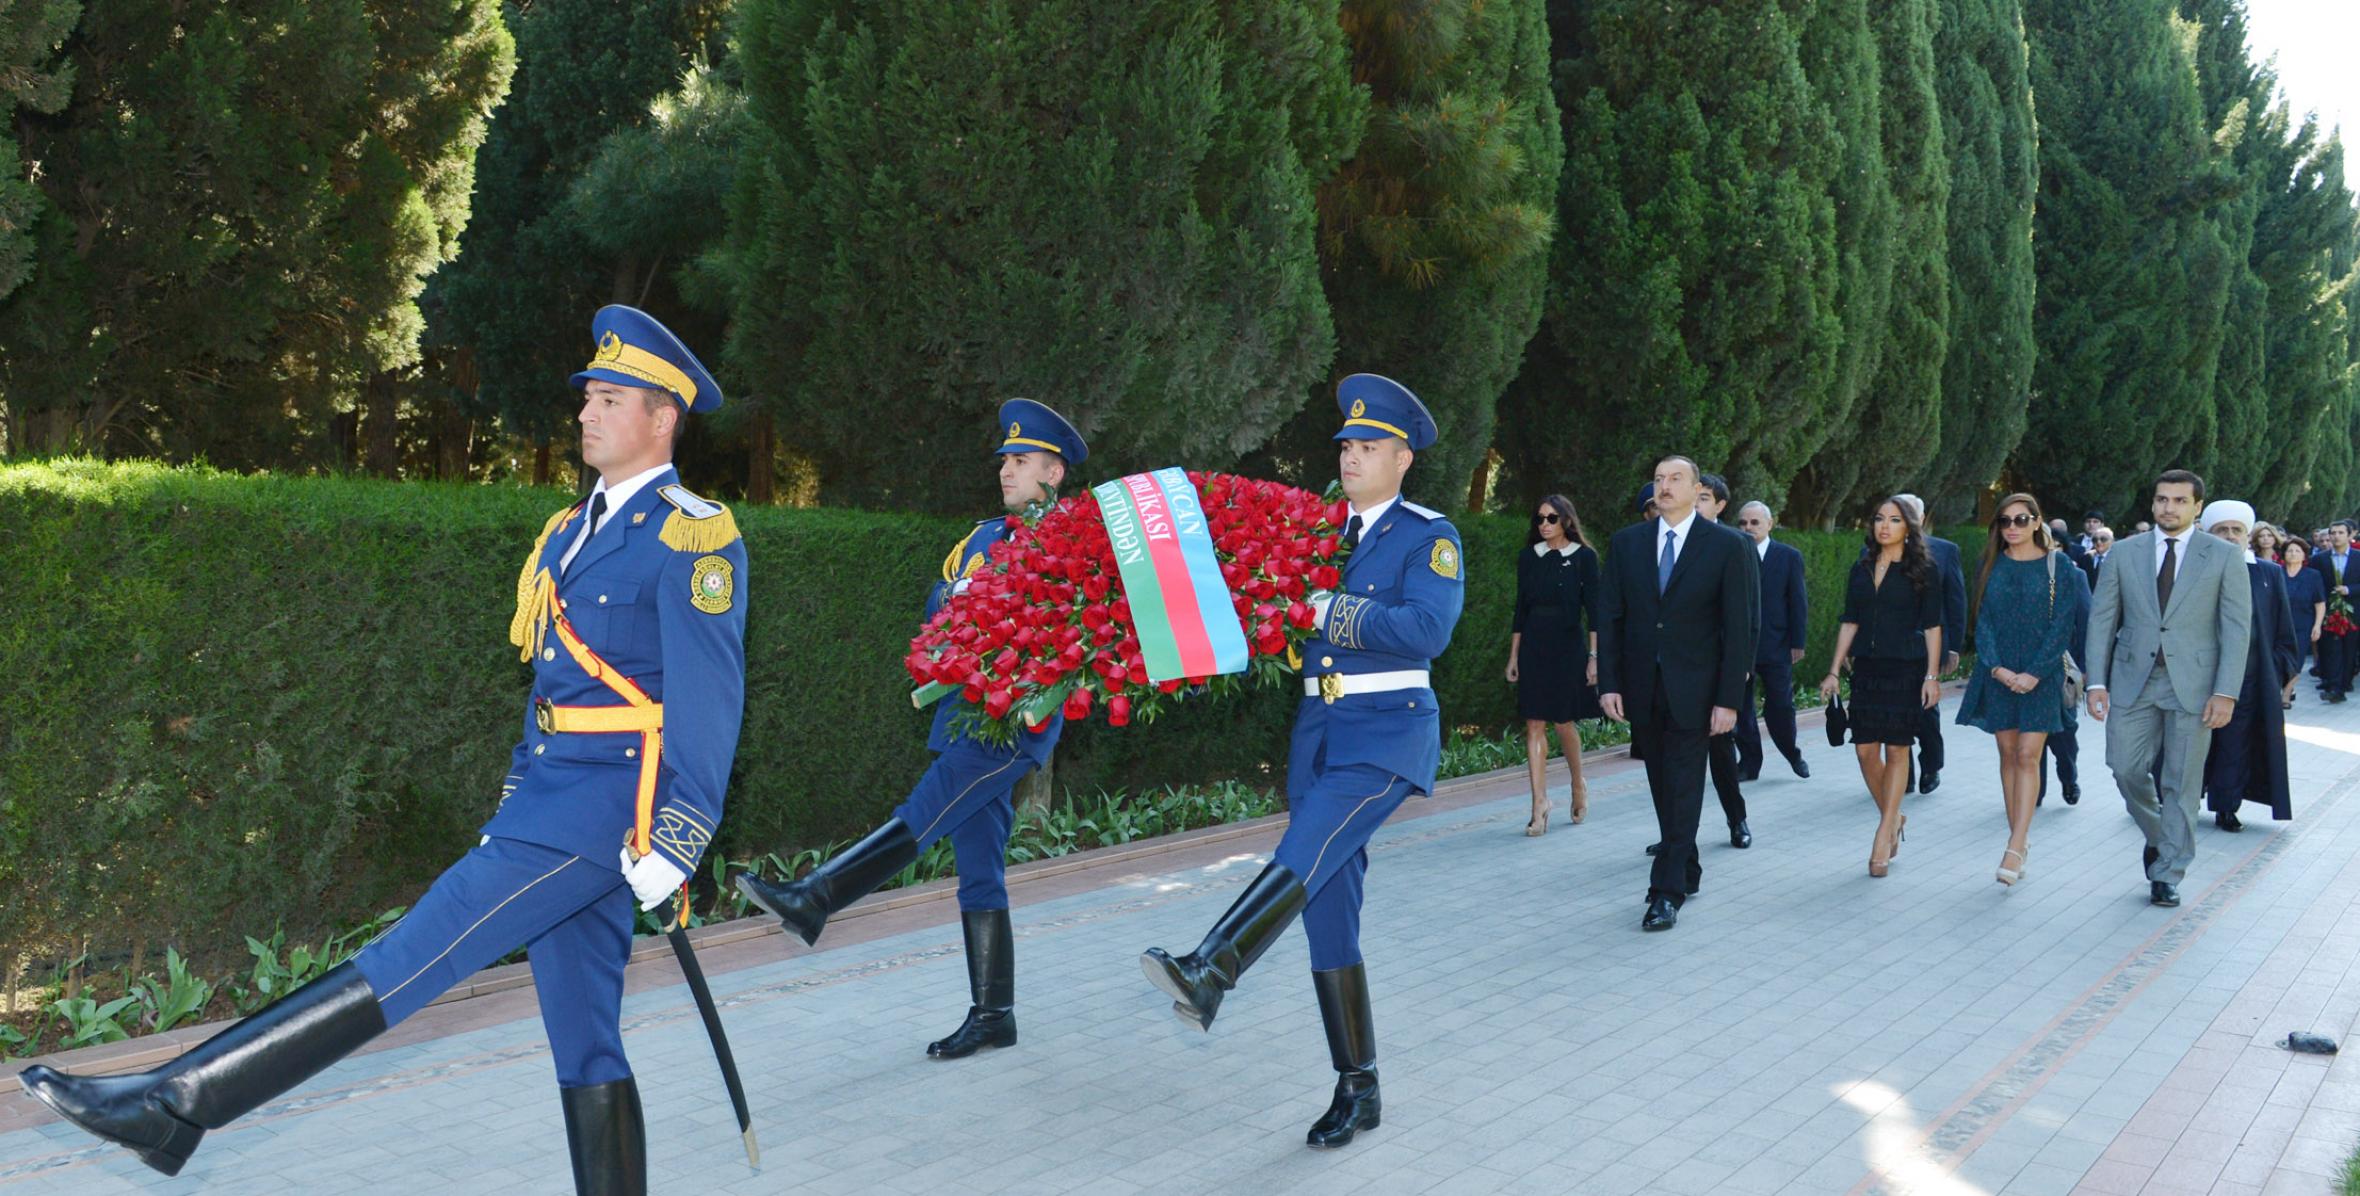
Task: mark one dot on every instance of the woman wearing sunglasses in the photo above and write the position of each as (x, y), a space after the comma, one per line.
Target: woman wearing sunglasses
(1551, 648)
(2028, 602)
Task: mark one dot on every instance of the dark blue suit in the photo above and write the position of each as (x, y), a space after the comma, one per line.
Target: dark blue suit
(1353, 760)
(1786, 613)
(2064, 744)
(2336, 652)
(672, 620)
(968, 793)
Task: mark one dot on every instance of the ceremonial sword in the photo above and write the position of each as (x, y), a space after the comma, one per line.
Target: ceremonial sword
(673, 913)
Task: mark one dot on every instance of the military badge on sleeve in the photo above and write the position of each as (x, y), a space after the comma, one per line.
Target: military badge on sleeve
(711, 586)
(1445, 560)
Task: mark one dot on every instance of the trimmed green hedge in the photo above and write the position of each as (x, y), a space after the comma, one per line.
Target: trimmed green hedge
(232, 700)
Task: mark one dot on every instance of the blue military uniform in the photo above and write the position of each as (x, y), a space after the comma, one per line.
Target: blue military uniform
(966, 795)
(637, 648)
(1367, 735)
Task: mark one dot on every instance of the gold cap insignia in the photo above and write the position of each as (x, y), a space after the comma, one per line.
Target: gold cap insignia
(1014, 429)
(610, 348)
(1359, 408)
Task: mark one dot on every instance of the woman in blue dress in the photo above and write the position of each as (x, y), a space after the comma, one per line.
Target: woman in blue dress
(2026, 596)
(2306, 594)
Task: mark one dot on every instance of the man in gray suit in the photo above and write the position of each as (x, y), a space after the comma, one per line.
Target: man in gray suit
(2168, 628)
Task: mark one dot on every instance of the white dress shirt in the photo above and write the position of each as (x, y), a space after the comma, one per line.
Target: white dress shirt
(1762, 548)
(2161, 539)
(1679, 537)
(1369, 518)
(616, 496)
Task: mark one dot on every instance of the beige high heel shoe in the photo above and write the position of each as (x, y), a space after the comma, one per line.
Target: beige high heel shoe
(2007, 875)
(1538, 825)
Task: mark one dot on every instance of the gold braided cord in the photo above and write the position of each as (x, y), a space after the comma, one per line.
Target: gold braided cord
(536, 593)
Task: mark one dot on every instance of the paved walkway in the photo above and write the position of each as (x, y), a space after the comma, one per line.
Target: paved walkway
(1805, 1030)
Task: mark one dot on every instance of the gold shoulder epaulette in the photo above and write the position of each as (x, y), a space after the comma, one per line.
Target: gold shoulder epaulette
(696, 525)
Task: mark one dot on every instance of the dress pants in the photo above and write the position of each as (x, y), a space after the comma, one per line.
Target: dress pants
(2157, 752)
(968, 795)
(2336, 658)
(1777, 681)
(1329, 822)
(1721, 762)
(573, 915)
(1675, 780)
(1929, 737)
(2064, 746)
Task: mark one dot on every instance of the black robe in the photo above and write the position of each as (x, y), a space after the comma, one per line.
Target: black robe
(2248, 757)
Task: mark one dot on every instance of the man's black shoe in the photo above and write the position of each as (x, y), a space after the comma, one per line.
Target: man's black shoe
(1739, 835)
(1749, 775)
(1655, 849)
(1660, 915)
(2228, 822)
(1801, 769)
(2072, 793)
(1929, 780)
(2160, 893)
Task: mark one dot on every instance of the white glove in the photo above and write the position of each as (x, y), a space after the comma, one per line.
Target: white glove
(1320, 600)
(652, 878)
(960, 586)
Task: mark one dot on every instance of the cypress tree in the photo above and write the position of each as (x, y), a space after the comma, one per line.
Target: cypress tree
(1434, 236)
(1889, 435)
(31, 80)
(1105, 207)
(1987, 130)
(1694, 275)
(2133, 272)
(240, 202)
(2245, 133)
(2303, 238)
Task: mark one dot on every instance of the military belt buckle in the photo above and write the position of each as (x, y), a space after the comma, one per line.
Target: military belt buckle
(1331, 687)
(545, 716)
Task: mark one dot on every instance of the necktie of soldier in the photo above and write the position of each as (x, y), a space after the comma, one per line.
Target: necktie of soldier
(1352, 531)
(589, 529)
(1663, 564)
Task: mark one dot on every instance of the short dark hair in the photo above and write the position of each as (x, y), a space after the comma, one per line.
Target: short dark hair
(2093, 513)
(1694, 470)
(2181, 477)
(1718, 485)
(2345, 524)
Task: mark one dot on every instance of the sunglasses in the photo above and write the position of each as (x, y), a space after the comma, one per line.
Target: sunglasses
(2014, 521)
(1548, 518)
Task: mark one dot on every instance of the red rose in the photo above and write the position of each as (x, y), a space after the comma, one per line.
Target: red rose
(1077, 703)
(1118, 711)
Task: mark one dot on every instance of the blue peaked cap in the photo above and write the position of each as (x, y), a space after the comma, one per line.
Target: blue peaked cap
(635, 350)
(1032, 427)
(1376, 406)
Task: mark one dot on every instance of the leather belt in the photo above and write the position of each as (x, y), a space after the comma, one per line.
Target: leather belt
(1330, 686)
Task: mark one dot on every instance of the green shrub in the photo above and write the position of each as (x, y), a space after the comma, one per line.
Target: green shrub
(294, 698)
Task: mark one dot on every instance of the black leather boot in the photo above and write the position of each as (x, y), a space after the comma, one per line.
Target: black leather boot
(607, 1138)
(991, 979)
(1352, 1047)
(804, 905)
(161, 1114)
(1197, 980)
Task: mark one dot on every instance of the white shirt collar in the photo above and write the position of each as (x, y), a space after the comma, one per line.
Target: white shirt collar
(1761, 547)
(616, 496)
(2162, 538)
(1371, 518)
(1679, 532)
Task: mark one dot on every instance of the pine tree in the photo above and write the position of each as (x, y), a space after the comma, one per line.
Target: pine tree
(1434, 236)
(31, 80)
(515, 305)
(1695, 275)
(1987, 130)
(2133, 272)
(1105, 207)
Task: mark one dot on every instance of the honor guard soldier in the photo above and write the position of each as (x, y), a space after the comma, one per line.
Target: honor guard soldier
(1367, 735)
(967, 792)
(631, 609)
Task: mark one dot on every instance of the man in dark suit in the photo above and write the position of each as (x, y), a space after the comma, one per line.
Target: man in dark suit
(1721, 750)
(2336, 564)
(2071, 547)
(2101, 545)
(1674, 648)
(1954, 632)
(1785, 621)
(2064, 744)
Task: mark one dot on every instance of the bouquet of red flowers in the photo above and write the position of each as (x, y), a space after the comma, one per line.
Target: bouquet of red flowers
(2339, 615)
(1044, 625)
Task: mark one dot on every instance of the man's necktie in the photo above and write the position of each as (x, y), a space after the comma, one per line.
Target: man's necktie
(2164, 577)
(1663, 564)
(1352, 531)
(597, 511)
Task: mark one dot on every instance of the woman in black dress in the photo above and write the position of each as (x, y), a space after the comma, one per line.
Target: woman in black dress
(1551, 648)
(1892, 635)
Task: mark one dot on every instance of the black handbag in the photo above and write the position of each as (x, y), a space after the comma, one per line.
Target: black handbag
(1838, 722)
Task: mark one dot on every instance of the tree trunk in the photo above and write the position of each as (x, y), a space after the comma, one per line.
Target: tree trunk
(454, 442)
(1479, 486)
(380, 408)
(761, 472)
(1033, 792)
(541, 464)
